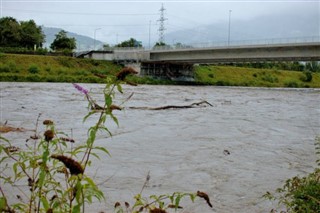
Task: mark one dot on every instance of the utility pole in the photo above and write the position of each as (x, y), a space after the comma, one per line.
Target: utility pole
(161, 27)
(229, 27)
(149, 34)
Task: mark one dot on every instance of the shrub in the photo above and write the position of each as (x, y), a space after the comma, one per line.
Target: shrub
(301, 194)
(33, 69)
(292, 84)
(269, 78)
(307, 77)
(4, 68)
(211, 75)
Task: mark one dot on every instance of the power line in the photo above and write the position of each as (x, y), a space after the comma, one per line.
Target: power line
(81, 13)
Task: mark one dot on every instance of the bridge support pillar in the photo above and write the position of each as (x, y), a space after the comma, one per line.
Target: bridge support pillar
(176, 71)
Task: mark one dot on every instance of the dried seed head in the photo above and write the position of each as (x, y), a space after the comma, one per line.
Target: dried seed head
(205, 197)
(127, 205)
(157, 210)
(125, 72)
(47, 122)
(11, 149)
(48, 135)
(117, 204)
(74, 167)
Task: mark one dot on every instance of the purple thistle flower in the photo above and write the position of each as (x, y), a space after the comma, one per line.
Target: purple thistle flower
(80, 89)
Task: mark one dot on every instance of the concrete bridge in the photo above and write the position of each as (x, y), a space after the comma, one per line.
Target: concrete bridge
(165, 61)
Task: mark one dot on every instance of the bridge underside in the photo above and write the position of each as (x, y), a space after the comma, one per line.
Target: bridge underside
(177, 71)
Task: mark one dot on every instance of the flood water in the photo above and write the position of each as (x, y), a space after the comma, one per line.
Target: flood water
(269, 134)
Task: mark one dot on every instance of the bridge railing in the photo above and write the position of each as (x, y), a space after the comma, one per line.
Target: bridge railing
(237, 43)
(232, 43)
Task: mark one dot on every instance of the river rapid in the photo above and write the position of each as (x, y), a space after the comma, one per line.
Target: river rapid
(250, 141)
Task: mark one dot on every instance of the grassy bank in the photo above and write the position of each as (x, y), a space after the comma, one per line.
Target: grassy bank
(37, 68)
(33, 68)
(239, 76)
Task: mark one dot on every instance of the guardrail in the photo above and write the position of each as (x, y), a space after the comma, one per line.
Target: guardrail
(272, 41)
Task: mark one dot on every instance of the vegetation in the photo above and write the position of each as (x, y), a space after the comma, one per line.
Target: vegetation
(37, 68)
(25, 34)
(50, 174)
(300, 194)
(63, 42)
(242, 76)
(130, 43)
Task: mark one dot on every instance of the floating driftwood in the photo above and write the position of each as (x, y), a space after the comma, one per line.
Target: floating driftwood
(6, 129)
(193, 105)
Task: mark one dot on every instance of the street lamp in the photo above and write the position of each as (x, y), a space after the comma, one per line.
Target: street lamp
(94, 41)
(229, 27)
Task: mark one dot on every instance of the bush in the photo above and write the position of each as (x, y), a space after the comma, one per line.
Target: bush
(269, 78)
(292, 84)
(307, 77)
(300, 194)
(211, 75)
(33, 69)
(4, 68)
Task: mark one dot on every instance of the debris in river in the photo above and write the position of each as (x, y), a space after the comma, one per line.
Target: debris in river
(193, 105)
(6, 129)
(226, 152)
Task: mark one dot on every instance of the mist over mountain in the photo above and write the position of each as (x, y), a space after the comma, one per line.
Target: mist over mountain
(83, 42)
(277, 26)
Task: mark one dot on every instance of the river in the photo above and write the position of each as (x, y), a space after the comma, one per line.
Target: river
(250, 141)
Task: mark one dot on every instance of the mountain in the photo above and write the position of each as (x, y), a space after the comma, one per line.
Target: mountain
(277, 26)
(83, 42)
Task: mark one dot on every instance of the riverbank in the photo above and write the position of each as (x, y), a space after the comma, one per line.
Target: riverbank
(34, 68)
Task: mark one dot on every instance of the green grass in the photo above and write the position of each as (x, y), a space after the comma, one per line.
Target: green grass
(35, 68)
(239, 76)
(14, 67)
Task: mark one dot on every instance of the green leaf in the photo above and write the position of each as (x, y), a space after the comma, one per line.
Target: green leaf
(45, 203)
(119, 87)
(102, 149)
(114, 119)
(192, 197)
(3, 204)
(76, 208)
(108, 100)
(88, 115)
(178, 198)
(106, 129)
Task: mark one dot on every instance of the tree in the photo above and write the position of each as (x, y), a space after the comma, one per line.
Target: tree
(130, 43)
(24, 34)
(63, 42)
(9, 32)
(31, 34)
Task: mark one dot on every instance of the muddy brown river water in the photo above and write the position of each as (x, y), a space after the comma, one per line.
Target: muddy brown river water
(269, 134)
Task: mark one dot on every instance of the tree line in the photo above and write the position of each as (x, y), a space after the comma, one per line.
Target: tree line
(27, 35)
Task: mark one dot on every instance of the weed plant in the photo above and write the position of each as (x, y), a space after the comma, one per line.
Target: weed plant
(300, 194)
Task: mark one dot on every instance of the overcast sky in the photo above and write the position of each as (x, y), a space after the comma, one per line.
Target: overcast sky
(115, 21)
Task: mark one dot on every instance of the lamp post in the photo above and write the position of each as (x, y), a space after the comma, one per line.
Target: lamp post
(229, 27)
(94, 40)
(149, 34)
